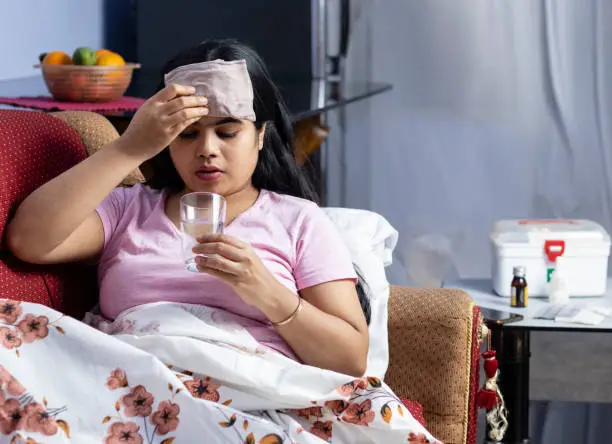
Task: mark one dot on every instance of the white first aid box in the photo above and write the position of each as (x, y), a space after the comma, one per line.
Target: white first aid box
(580, 248)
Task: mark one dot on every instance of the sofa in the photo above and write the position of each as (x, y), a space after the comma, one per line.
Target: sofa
(434, 334)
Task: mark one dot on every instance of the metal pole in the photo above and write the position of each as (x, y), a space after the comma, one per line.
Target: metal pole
(319, 74)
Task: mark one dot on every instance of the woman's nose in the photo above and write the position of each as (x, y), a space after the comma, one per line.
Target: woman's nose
(207, 147)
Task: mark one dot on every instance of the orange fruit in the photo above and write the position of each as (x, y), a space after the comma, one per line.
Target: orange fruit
(99, 52)
(57, 58)
(110, 59)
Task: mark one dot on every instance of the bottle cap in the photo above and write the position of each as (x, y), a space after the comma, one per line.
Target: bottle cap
(519, 271)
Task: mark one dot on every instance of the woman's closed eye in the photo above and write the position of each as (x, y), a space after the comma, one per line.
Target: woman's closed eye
(188, 134)
(228, 128)
(227, 134)
(193, 134)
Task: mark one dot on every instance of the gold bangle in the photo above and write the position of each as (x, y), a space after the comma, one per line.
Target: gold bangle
(292, 316)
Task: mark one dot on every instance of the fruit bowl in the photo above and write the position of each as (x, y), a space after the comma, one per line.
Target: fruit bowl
(82, 83)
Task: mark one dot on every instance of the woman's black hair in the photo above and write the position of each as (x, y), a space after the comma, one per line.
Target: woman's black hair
(276, 169)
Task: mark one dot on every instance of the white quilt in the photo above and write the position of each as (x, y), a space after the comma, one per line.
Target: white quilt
(173, 373)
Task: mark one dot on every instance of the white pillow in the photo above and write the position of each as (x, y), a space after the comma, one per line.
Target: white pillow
(371, 240)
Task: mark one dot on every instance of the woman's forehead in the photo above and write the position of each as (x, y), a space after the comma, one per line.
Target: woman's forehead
(217, 121)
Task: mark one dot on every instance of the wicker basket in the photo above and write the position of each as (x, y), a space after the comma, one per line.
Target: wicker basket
(76, 83)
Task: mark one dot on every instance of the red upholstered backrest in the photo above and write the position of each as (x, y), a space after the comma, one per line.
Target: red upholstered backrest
(34, 148)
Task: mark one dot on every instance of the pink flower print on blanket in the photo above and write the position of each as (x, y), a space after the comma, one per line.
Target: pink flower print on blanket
(165, 418)
(310, 412)
(9, 311)
(9, 338)
(19, 412)
(33, 328)
(117, 379)
(120, 326)
(322, 429)
(123, 326)
(359, 413)
(150, 328)
(214, 317)
(11, 416)
(203, 389)
(123, 433)
(418, 439)
(38, 420)
(337, 407)
(139, 402)
(9, 383)
(138, 405)
(16, 331)
(367, 404)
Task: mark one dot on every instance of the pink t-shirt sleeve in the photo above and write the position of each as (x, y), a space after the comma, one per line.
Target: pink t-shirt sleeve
(112, 209)
(321, 255)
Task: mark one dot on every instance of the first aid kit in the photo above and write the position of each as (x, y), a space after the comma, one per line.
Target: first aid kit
(579, 249)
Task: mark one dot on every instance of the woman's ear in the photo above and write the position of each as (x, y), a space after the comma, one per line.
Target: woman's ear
(260, 137)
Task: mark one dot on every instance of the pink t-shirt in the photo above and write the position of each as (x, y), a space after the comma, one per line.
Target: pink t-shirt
(141, 261)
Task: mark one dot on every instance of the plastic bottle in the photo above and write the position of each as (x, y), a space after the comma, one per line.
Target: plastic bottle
(558, 291)
(519, 294)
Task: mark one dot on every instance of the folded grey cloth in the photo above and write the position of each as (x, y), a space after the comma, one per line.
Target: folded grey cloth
(227, 86)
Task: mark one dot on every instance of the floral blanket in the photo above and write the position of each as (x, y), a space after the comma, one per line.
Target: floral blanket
(196, 376)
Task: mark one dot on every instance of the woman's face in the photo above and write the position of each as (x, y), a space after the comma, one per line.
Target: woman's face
(217, 155)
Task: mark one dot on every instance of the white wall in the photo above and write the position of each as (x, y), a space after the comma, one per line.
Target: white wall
(499, 110)
(29, 27)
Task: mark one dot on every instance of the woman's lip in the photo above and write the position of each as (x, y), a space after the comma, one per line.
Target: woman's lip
(209, 176)
(210, 169)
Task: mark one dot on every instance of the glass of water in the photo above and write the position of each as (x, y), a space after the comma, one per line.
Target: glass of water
(200, 213)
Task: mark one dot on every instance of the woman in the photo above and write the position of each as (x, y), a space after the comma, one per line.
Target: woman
(277, 243)
(183, 359)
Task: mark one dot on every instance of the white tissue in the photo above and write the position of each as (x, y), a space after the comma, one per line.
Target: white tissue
(584, 316)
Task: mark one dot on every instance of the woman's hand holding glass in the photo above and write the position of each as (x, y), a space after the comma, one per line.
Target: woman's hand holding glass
(236, 262)
(161, 119)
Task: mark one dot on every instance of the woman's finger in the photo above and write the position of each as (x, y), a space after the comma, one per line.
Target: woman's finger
(171, 91)
(222, 238)
(182, 102)
(218, 264)
(225, 250)
(187, 114)
(218, 274)
(180, 127)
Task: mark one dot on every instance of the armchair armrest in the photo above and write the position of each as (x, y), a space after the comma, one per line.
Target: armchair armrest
(96, 131)
(434, 345)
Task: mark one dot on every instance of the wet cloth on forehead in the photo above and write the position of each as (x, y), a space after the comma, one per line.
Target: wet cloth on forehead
(227, 86)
